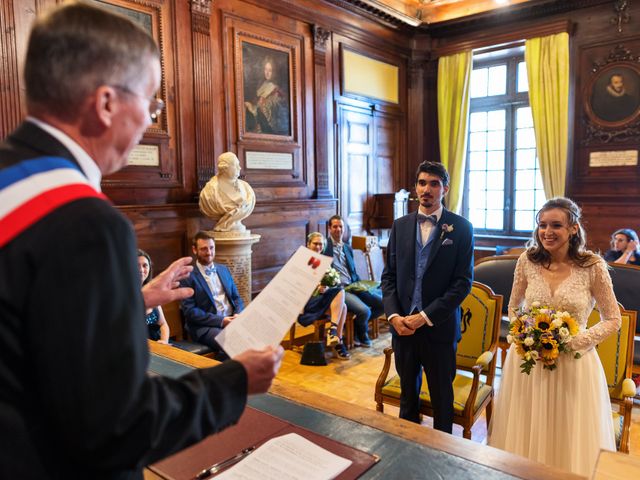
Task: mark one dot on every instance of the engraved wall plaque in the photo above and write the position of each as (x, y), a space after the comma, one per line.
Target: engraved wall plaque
(617, 158)
(269, 160)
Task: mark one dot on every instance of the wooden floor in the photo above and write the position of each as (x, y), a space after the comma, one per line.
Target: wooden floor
(353, 381)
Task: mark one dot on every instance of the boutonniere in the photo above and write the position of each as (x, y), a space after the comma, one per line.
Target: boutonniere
(446, 228)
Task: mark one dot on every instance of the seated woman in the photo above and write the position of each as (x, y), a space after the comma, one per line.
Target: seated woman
(624, 247)
(326, 298)
(156, 323)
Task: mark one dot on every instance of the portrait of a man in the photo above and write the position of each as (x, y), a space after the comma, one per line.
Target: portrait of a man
(266, 90)
(615, 96)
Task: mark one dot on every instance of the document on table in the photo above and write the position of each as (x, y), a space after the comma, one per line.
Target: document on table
(289, 457)
(268, 317)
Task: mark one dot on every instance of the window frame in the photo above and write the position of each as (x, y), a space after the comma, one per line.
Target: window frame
(510, 102)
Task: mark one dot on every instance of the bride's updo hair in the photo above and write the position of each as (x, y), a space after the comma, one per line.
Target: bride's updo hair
(577, 251)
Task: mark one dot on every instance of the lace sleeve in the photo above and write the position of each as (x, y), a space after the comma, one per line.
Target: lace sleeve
(610, 320)
(519, 286)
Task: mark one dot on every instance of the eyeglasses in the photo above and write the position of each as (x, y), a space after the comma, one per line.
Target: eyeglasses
(156, 105)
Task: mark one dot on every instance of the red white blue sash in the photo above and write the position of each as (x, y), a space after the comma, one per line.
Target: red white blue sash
(33, 188)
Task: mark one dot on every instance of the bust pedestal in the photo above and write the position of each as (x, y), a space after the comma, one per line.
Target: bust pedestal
(233, 250)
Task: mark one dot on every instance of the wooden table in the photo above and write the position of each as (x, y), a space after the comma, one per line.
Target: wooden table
(406, 449)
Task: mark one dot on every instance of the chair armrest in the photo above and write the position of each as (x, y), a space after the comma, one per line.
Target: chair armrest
(485, 359)
(628, 388)
(382, 378)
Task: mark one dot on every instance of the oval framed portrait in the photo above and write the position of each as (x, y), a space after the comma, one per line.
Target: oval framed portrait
(612, 98)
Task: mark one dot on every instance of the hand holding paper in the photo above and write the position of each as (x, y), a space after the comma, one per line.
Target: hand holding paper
(268, 317)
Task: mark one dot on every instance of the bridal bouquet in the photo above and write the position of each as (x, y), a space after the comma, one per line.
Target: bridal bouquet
(540, 333)
(331, 278)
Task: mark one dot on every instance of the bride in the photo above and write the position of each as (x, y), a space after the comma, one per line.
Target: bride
(560, 417)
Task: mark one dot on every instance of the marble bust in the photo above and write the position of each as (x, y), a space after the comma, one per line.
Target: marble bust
(226, 198)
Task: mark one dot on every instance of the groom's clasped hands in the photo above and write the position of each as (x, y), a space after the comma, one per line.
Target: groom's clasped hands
(408, 325)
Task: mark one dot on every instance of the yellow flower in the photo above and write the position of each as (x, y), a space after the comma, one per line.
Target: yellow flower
(520, 350)
(572, 325)
(516, 327)
(543, 322)
(549, 349)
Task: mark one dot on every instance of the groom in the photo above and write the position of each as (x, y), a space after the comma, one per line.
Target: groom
(428, 273)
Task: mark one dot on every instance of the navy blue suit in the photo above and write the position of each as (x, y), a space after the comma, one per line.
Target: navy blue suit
(445, 283)
(202, 318)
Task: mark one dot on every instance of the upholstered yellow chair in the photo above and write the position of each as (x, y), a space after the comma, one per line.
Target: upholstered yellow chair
(476, 358)
(616, 355)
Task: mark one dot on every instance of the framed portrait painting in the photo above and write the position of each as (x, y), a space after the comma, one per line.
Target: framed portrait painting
(266, 90)
(612, 97)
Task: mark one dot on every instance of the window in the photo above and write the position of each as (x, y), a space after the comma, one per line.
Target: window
(503, 186)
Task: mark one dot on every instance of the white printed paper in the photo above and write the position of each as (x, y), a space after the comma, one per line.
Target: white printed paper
(289, 457)
(270, 315)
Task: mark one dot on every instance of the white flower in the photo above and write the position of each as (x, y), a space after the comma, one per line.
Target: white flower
(528, 341)
(527, 356)
(564, 333)
(535, 304)
(509, 339)
(557, 323)
(534, 355)
(544, 310)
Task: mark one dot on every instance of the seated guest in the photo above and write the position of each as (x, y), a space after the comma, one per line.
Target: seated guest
(158, 328)
(216, 301)
(624, 247)
(363, 304)
(326, 298)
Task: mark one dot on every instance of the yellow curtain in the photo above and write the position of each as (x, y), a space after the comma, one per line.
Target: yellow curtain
(454, 77)
(548, 73)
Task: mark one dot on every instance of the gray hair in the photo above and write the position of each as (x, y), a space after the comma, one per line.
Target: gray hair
(76, 48)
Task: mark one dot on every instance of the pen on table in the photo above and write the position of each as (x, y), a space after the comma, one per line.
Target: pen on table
(216, 467)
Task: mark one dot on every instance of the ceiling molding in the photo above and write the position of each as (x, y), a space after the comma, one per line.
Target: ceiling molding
(383, 13)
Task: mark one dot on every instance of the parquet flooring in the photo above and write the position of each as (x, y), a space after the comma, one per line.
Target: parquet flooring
(353, 381)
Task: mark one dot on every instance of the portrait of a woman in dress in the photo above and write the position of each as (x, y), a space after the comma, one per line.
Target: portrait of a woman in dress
(266, 90)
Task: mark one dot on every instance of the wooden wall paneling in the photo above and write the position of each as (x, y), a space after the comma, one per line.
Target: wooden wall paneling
(386, 169)
(203, 73)
(283, 226)
(275, 35)
(595, 137)
(351, 23)
(121, 185)
(359, 176)
(323, 111)
(356, 164)
(11, 112)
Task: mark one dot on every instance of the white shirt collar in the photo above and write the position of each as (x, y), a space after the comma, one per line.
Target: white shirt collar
(437, 213)
(87, 164)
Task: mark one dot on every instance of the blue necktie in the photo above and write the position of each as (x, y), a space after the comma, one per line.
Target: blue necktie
(209, 271)
(427, 218)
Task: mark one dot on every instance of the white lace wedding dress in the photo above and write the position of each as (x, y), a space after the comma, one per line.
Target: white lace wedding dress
(560, 417)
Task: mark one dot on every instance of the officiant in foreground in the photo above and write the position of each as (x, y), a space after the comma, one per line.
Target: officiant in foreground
(75, 397)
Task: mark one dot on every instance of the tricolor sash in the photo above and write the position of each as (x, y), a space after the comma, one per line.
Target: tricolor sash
(35, 187)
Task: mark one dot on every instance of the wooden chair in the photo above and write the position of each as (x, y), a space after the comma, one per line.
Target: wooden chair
(299, 335)
(625, 279)
(362, 269)
(497, 273)
(376, 263)
(476, 354)
(616, 356)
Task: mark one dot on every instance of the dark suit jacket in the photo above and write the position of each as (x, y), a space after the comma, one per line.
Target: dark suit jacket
(76, 400)
(200, 310)
(447, 279)
(348, 253)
